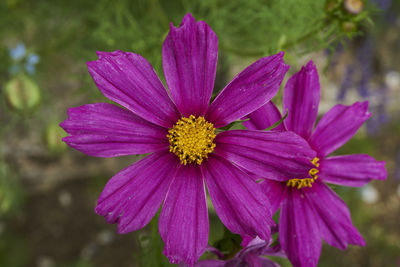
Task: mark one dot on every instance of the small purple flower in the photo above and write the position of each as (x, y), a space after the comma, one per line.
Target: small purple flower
(310, 210)
(178, 128)
(250, 256)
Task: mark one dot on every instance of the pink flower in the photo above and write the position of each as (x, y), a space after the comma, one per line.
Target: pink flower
(178, 127)
(310, 210)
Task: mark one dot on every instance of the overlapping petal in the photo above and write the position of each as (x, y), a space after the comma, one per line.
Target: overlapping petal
(337, 126)
(352, 170)
(184, 218)
(105, 130)
(132, 197)
(129, 80)
(264, 117)
(301, 98)
(190, 55)
(298, 230)
(248, 91)
(237, 198)
(275, 191)
(333, 217)
(272, 155)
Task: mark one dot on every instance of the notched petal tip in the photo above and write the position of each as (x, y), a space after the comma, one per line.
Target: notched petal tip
(281, 54)
(63, 125)
(310, 66)
(364, 107)
(65, 139)
(361, 109)
(121, 229)
(188, 18)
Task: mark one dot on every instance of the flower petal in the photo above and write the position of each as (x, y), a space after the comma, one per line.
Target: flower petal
(129, 80)
(275, 191)
(301, 98)
(337, 126)
(183, 221)
(237, 198)
(105, 130)
(210, 263)
(352, 170)
(264, 117)
(298, 230)
(248, 91)
(272, 155)
(333, 217)
(132, 197)
(258, 261)
(190, 55)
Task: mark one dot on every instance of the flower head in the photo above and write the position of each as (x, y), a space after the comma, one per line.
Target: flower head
(178, 127)
(310, 210)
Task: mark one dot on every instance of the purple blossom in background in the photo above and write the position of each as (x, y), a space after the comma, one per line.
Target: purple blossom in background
(383, 4)
(346, 83)
(365, 56)
(187, 153)
(310, 210)
(250, 256)
(381, 115)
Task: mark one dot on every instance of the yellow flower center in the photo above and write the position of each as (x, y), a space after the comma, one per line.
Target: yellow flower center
(191, 139)
(306, 182)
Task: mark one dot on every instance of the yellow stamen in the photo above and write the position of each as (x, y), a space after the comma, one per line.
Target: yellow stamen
(305, 182)
(315, 162)
(191, 139)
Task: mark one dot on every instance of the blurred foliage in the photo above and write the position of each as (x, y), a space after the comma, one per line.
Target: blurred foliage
(14, 250)
(11, 192)
(53, 138)
(150, 247)
(77, 28)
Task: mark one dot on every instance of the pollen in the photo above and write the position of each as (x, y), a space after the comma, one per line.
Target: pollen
(191, 139)
(308, 181)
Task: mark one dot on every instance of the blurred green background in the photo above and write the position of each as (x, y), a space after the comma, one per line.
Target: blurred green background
(48, 191)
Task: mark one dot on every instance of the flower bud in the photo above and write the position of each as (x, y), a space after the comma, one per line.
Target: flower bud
(22, 93)
(330, 5)
(353, 6)
(349, 26)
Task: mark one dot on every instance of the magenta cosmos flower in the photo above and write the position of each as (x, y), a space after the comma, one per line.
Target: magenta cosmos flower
(310, 210)
(178, 128)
